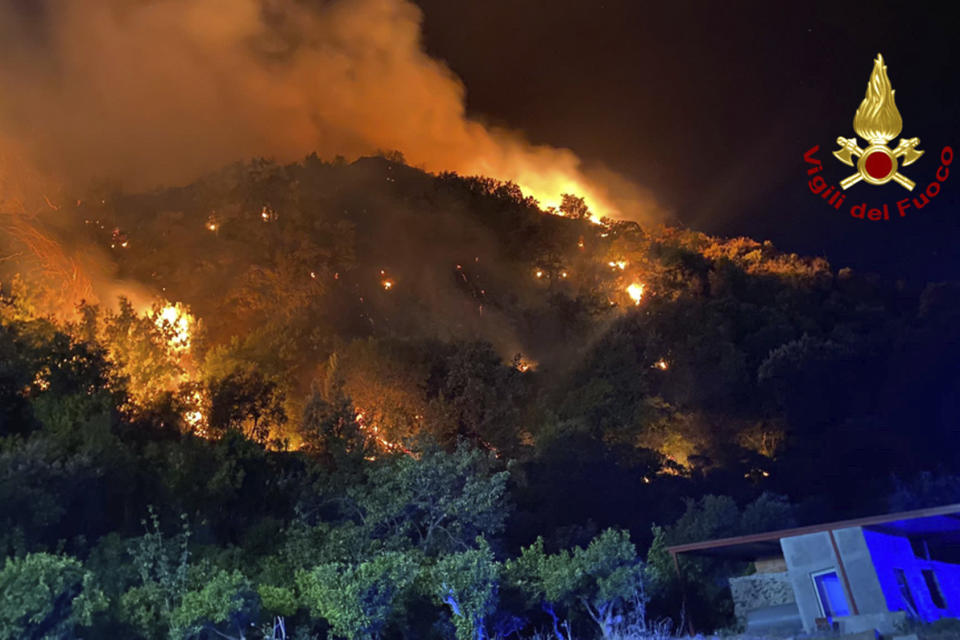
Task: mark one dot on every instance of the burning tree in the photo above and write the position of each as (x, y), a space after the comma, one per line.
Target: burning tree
(150, 352)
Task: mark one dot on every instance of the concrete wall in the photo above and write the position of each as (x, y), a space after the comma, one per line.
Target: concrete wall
(894, 552)
(805, 555)
(861, 573)
(886, 623)
(812, 553)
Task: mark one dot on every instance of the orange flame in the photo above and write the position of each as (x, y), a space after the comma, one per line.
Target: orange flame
(635, 291)
(176, 323)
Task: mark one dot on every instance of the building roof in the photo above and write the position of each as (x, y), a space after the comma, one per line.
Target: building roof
(941, 522)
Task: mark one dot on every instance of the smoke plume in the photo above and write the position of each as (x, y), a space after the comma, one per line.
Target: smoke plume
(149, 92)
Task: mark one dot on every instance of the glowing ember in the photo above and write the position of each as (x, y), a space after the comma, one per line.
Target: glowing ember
(118, 239)
(387, 285)
(635, 291)
(538, 273)
(563, 274)
(661, 364)
(267, 214)
(618, 264)
(523, 364)
(40, 380)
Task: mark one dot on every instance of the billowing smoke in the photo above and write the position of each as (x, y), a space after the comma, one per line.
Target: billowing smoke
(149, 92)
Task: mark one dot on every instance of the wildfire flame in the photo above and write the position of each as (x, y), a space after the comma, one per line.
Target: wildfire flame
(45, 259)
(547, 188)
(372, 434)
(877, 118)
(170, 340)
(635, 291)
(195, 417)
(176, 323)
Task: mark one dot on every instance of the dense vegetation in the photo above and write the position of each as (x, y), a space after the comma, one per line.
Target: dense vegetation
(419, 406)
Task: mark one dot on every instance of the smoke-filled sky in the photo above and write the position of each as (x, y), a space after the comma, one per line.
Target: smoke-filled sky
(159, 91)
(706, 108)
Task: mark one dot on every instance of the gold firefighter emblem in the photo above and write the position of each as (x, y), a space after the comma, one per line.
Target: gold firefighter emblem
(878, 122)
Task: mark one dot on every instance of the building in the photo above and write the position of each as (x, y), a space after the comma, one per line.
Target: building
(854, 575)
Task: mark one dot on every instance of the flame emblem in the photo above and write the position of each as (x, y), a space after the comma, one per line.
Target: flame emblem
(878, 122)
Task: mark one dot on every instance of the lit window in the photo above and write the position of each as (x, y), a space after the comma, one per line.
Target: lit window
(833, 600)
(933, 586)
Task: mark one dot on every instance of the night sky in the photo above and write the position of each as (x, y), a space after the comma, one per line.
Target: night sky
(711, 106)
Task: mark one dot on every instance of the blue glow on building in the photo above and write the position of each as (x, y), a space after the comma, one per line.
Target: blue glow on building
(902, 578)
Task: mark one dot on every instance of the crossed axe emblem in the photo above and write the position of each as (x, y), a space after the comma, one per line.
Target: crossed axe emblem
(877, 164)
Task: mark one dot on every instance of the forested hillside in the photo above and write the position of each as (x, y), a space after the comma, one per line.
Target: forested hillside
(368, 401)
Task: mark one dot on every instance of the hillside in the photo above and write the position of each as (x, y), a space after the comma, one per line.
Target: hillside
(258, 348)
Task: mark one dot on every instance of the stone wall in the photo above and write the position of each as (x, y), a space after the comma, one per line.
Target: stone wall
(760, 590)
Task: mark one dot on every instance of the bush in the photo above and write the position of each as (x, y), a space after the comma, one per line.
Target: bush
(358, 600)
(46, 596)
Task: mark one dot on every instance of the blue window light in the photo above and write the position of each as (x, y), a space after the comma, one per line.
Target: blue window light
(833, 600)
